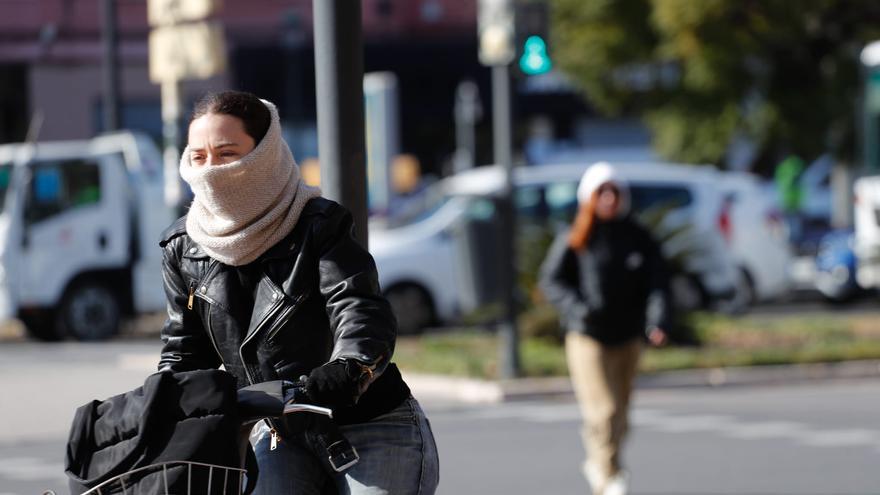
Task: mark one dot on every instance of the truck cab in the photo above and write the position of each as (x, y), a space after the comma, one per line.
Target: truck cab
(79, 222)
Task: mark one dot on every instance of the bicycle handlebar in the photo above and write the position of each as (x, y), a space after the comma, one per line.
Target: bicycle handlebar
(276, 398)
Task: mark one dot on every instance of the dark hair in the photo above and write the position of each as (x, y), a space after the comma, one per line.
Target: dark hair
(246, 106)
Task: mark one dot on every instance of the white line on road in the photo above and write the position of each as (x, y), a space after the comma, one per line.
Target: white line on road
(842, 438)
(674, 423)
(30, 469)
(766, 429)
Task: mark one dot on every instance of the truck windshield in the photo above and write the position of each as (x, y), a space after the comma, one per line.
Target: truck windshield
(5, 178)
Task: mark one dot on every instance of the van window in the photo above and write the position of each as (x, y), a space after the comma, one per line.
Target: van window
(480, 209)
(562, 200)
(58, 186)
(530, 202)
(645, 196)
(5, 178)
(555, 202)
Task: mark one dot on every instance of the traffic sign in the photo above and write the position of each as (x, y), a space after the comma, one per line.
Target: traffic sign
(187, 51)
(496, 31)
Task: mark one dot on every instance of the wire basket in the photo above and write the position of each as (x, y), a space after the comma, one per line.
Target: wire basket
(201, 479)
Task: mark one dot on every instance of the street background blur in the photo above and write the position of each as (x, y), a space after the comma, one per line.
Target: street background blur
(749, 134)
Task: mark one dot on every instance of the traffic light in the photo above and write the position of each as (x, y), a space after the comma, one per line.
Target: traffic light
(532, 19)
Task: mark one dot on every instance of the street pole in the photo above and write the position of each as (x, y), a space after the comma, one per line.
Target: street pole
(110, 66)
(503, 151)
(467, 111)
(172, 112)
(339, 76)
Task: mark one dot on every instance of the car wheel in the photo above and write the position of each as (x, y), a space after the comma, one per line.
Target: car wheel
(89, 311)
(413, 308)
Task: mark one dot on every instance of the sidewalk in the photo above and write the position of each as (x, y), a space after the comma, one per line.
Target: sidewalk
(434, 387)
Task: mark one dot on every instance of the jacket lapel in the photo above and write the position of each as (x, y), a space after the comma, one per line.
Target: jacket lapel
(267, 300)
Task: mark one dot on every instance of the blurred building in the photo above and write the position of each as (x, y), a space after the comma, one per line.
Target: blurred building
(50, 61)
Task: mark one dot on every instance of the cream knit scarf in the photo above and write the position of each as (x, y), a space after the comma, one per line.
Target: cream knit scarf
(243, 208)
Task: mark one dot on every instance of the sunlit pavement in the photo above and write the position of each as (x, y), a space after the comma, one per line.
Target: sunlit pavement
(817, 438)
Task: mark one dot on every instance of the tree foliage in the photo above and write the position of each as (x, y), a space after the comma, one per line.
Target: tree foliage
(782, 74)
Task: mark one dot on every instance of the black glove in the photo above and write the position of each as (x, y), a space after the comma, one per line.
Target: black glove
(334, 384)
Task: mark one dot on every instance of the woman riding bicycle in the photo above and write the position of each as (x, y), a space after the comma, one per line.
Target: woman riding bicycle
(264, 277)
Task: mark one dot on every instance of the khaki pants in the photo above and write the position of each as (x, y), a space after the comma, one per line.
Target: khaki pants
(603, 379)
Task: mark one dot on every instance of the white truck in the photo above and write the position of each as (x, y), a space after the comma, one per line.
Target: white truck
(79, 226)
(866, 244)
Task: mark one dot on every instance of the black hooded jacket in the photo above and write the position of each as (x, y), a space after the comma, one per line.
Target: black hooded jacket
(614, 290)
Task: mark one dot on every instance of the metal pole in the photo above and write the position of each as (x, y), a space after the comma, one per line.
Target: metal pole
(467, 112)
(171, 133)
(111, 66)
(503, 147)
(339, 76)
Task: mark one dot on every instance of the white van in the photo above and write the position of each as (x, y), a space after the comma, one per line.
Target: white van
(866, 243)
(756, 234)
(79, 223)
(420, 263)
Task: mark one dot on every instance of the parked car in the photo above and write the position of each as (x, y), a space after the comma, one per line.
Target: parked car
(429, 273)
(866, 243)
(836, 267)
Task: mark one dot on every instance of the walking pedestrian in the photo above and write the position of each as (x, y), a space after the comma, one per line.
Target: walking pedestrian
(264, 277)
(606, 277)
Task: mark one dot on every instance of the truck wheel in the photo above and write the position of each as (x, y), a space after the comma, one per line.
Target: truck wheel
(41, 325)
(89, 311)
(413, 308)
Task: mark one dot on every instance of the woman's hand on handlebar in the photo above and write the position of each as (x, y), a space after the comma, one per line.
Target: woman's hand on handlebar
(334, 384)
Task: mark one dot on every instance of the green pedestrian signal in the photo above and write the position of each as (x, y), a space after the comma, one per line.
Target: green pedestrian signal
(535, 59)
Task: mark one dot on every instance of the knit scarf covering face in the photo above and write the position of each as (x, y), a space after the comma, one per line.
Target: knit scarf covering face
(243, 208)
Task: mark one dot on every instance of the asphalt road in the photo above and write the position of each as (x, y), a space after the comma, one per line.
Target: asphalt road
(820, 438)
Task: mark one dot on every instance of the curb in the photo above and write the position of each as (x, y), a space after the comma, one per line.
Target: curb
(474, 391)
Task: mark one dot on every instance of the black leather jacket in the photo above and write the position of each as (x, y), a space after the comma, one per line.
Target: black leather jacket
(311, 299)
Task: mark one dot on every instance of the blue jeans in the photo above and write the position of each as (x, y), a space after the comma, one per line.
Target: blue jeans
(397, 456)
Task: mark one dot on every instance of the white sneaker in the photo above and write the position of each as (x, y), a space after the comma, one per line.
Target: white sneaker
(595, 477)
(616, 485)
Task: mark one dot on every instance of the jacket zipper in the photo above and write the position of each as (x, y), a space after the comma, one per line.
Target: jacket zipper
(211, 338)
(274, 436)
(192, 291)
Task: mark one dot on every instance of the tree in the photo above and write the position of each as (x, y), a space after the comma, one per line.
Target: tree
(782, 74)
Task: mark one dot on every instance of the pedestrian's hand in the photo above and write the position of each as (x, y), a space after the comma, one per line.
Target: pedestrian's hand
(657, 337)
(334, 384)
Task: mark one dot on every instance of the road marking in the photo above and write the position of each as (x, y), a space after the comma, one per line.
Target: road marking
(842, 438)
(671, 422)
(30, 469)
(766, 429)
(692, 423)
